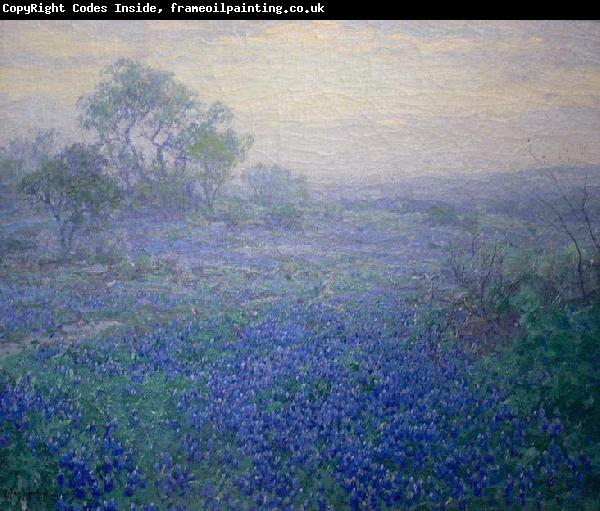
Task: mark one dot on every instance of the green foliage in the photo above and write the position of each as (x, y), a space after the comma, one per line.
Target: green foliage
(172, 197)
(151, 127)
(554, 366)
(21, 156)
(558, 356)
(280, 193)
(144, 119)
(274, 185)
(489, 274)
(215, 147)
(140, 267)
(214, 156)
(234, 212)
(286, 216)
(104, 249)
(27, 481)
(485, 276)
(74, 189)
(551, 364)
(443, 215)
(557, 270)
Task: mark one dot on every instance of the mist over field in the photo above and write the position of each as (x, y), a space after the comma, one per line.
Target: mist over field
(308, 265)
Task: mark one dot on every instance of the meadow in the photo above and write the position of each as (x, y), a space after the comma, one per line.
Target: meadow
(185, 364)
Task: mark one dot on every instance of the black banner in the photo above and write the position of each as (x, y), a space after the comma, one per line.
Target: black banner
(271, 9)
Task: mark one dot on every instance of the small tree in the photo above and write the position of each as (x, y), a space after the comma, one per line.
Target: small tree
(280, 192)
(214, 156)
(21, 156)
(575, 214)
(74, 188)
(274, 185)
(566, 203)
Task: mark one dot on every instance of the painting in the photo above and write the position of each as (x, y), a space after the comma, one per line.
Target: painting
(299, 265)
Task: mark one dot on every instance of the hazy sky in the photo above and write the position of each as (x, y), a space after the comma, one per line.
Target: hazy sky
(333, 97)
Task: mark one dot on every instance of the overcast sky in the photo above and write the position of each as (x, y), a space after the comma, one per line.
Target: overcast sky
(334, 98)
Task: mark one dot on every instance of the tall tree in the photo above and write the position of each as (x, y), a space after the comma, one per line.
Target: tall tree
(145, 121)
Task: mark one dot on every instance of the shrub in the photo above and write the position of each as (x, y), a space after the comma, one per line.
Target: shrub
(547, 364)
(485, 275)
(196, 219)
(553, 367)
(565, 339)
(74, 189)
(443, 215)
(171, 196)
(22, 156)
(285, 216)
(105, 250)
(280, 192)
(233, 212)
(273, 185)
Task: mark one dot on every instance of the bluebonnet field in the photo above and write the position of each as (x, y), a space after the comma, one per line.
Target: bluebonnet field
(305, 383)
(329, 406)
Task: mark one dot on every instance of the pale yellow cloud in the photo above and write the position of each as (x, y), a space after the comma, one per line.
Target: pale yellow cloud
(64, 85)
(64, 40)
(308, 71)
(172, 26)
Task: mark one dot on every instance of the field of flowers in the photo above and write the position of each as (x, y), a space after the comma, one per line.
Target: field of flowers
(325, 406)
(203, 367)
(174, 269)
